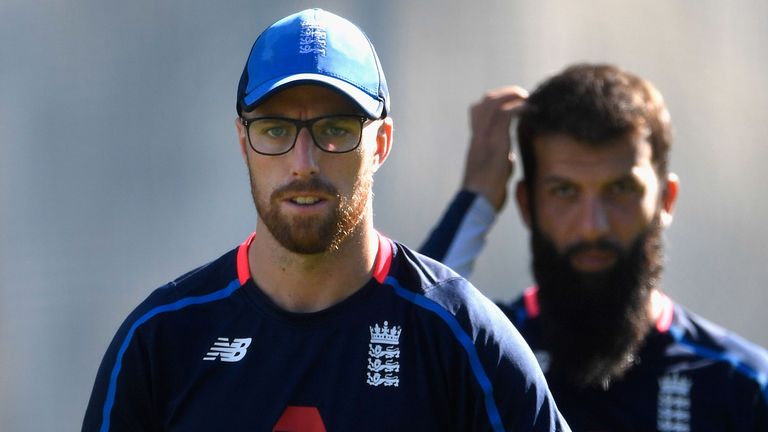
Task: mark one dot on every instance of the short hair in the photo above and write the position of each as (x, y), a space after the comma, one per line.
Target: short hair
(594, 103)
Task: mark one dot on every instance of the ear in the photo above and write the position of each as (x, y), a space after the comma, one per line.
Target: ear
(383, 142)
(523, 202)
(242, 138)
(669, 198)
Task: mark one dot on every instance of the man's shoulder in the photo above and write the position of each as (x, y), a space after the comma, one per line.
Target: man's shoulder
(437, 286)
(439, 289)
(425, 276)
(707, 339)
(468, 330)
(203, 283)
(203, 286)
(418, 269)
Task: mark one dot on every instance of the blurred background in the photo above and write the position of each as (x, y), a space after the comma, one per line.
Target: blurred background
(120, 169)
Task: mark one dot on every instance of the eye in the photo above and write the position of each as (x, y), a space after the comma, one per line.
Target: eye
(276, 132)
(334, 131)
(271, 128)
(562, 190)
(336, 127)
(337, 131)
(625, 187)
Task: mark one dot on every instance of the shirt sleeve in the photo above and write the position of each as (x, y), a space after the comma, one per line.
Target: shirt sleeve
(460, 235)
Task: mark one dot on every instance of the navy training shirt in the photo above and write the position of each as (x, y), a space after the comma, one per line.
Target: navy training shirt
(690, 375)
(417, 348)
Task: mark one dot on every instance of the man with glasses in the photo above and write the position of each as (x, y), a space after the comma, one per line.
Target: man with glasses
(317, 322)
(596, 193)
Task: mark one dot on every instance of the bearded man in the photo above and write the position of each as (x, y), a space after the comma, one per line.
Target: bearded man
(596, 193)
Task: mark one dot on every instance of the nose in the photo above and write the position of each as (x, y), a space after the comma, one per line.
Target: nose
(593, 221)
(304, 156)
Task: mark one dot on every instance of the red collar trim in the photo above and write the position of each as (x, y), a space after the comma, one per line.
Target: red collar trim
(383, 259)
(663, 323)
(243, 269)
(667, 312)
(380, 265)
(531, 301)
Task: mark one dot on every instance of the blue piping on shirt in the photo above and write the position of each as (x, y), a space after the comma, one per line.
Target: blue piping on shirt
(180, 304)
(521, 315)
(474, 360)
(678, 332)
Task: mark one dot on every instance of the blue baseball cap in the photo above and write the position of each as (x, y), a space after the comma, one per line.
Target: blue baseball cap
(314, 47)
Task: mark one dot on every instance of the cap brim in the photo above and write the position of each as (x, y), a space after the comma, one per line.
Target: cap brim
(372, 106)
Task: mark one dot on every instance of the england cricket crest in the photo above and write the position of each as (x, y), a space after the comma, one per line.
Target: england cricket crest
(312, 39)
(674, 404)
(384, 356)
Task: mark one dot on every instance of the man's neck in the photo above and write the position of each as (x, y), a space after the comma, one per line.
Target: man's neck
(310, 283)
(656, 304)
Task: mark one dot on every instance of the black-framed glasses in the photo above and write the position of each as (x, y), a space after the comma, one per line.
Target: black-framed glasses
(273, 136)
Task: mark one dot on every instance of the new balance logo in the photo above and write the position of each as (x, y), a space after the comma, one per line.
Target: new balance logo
(228, 351)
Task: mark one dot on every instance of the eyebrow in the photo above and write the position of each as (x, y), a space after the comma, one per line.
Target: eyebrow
(556, 179)
(626, 177)
(560, 179)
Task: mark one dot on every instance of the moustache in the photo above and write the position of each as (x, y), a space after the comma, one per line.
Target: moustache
(313, 185)
(601, 245)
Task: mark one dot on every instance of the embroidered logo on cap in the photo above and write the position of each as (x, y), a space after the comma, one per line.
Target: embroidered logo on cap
(312, 39)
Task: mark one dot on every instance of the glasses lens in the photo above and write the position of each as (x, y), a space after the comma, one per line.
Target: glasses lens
(337, 134)
(271, 136)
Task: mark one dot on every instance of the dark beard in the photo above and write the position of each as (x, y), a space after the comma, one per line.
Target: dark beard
(594, 323)
(314, 234)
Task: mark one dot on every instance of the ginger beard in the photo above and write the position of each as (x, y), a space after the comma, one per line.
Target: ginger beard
(595, 323)
(316, 233)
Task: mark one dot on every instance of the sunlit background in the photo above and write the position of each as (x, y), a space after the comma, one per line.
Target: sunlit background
(119, 167)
